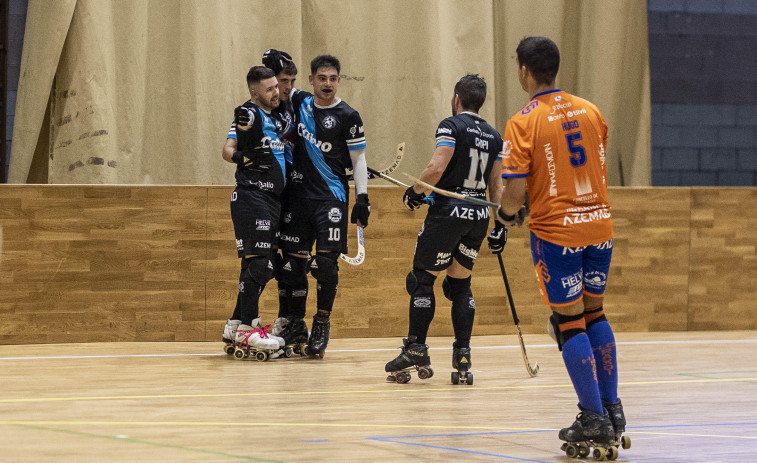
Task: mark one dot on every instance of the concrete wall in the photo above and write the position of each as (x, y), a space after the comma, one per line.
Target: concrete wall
(703, 73)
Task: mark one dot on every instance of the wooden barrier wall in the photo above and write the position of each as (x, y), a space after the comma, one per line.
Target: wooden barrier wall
(158, 263)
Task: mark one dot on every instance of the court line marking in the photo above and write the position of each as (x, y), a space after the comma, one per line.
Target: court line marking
(387, 349)
(453, 449)
(144, 442)
(403, 390)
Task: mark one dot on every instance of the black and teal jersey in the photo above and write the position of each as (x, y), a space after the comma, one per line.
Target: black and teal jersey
(261, 134)
(324, 138)
(477, 146)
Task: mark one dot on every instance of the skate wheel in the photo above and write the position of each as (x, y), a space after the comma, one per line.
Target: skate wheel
(423, 373)
(583, 451)
(238, 353)
(469, 378)
(625, 442)
(403, 377)
(600, 453)
(455, 377)
(430, 372)
(261, 356)
(288, 352)
(571, 450)
(229, 349)
(391, 379)
(612, 453)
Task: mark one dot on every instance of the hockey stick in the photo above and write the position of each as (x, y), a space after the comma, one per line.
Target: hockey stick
(360, 256)
(372, 173)
(452, 194)
(378, 174)
(531, 371)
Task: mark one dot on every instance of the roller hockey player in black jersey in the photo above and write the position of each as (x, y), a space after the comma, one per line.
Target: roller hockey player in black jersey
(329, 140)
(467, 160)
(255, 147)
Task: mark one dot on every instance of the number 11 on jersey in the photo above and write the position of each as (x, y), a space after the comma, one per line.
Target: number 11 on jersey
(478, 160)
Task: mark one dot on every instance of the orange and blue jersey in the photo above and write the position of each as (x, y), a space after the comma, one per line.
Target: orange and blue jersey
(558, 143)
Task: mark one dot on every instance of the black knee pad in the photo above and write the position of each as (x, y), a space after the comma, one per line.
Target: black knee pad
(420, 283)
(259, 269)
(453, 287)
(325, 267)
(567, 332)
(294, 271)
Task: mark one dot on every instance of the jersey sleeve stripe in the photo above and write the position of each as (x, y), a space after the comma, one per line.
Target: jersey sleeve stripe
(505, 175)
(357, 147)
(445, 143)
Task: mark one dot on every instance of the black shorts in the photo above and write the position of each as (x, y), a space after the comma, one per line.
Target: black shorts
(308, 221)
(453, 229)
(256, 221)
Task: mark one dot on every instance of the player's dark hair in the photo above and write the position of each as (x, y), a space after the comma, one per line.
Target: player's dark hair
(258, 73)
(541, 57)
(325, 61)
(471, 89)
(289, 68)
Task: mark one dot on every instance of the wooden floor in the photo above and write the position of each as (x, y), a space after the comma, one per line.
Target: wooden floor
(689, 397)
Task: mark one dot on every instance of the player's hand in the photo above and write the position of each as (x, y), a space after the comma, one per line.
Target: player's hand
(411, 199)
(497, 238)
(361, 210)
(261, 159)
(241, 117)
(515, 220)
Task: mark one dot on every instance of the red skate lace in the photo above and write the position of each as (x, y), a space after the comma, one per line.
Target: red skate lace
(263, 331)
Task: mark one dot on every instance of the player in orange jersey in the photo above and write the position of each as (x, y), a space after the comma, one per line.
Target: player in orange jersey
(556, 146)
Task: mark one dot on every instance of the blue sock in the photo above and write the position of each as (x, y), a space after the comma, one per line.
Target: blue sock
(579, 360)
(603, 344)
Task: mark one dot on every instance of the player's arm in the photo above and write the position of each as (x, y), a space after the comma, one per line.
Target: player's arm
(360, 171)
(514, 195)
(228, 149)
(436, 166)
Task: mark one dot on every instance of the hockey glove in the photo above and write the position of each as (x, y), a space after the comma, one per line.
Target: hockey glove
(241, 117)
(257, 159)
(497, 238)
(275, 60)
(361, 210)
(412, 200)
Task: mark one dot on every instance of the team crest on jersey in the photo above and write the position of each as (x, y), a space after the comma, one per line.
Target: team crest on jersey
(329, 122)
(335, 215)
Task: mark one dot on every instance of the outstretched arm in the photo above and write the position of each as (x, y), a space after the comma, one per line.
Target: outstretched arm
(436, 166)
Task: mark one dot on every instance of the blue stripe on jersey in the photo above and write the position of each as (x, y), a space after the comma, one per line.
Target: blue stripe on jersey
(515, 175)
(445, 143)
(232, 131)
(269, 130)
(358, 147)
(316, 156)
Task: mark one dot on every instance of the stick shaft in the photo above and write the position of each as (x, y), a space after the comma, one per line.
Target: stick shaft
(452, 194)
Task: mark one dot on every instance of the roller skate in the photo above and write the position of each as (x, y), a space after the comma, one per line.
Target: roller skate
(229, 333)
(295, 334)
(461, 362)
(319, 336)
(618, 420)
(591, 433)
(414, 356)
(254, 341)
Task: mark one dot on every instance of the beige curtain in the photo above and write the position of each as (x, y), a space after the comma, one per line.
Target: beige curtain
(144, 89)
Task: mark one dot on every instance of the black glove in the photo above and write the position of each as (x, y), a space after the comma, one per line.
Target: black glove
(497, 238)
(241, 116)
(411, 199)
(257, 159)
(515, 220)
(275, 60)
(361, 210)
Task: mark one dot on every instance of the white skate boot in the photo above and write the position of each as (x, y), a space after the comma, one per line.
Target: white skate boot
(253, 340)
(229, 335)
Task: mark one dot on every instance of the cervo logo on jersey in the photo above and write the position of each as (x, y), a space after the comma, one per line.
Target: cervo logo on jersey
(329, 122)
(335, 215)
(325, 147)
(268, 142)
(443, 130)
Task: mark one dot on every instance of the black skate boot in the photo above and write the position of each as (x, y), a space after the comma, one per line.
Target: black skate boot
(461, 362)
(414, 356)
(319, 337)
(589, 430)
(618, 420)
(295, 335)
